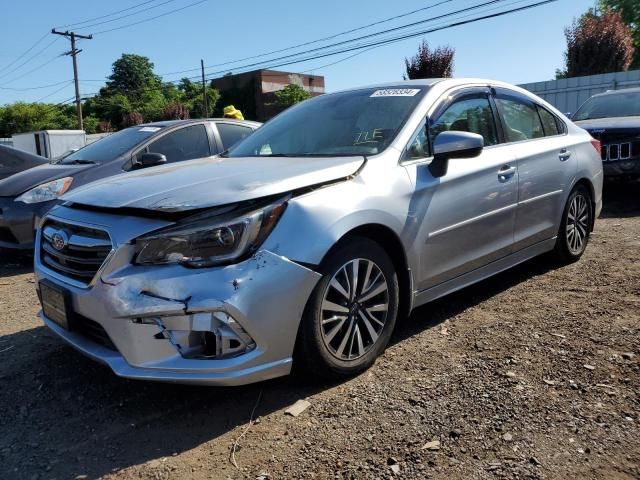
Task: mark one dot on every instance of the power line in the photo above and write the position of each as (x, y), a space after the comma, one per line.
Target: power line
(30, 58)
(320, 67)
(382, 32)
(398, 38)
(344, 42)
(338, 61)
(364, 47)
(330, 37)
(372, 45)
(106, 15)
(53, 93)
(26, 52)
(42, 65)
(127, 15)
(35, 88)
(150, 18)
(375, 34)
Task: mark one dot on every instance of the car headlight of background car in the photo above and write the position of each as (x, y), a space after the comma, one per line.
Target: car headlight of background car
(46, 191)
(204, 242)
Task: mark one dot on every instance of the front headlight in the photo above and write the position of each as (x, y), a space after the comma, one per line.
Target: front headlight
(205, 242)
(46, 191)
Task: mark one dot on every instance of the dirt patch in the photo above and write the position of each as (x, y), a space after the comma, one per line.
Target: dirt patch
(532, 374)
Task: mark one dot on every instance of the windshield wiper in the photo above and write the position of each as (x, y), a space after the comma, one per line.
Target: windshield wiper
(80, 162)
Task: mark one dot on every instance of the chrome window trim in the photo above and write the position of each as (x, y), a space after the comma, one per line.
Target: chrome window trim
(471, 220)
(540, 197)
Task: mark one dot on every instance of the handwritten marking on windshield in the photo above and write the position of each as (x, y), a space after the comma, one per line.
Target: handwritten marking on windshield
(374, 136)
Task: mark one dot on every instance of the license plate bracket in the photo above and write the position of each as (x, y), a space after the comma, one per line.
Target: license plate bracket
(56, 303)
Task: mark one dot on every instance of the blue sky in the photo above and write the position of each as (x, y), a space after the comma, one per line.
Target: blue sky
(517, 48)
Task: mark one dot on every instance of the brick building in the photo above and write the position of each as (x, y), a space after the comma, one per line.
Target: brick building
(253, 92)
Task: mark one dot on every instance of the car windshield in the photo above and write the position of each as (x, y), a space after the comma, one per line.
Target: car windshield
(361, 122)
(111, 146)
(613, 105)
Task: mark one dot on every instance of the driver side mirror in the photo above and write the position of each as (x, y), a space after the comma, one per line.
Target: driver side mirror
(453, 144)
(151, 159)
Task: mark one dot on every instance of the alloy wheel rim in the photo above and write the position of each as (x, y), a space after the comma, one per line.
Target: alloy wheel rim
(354, 309)
(577, 224)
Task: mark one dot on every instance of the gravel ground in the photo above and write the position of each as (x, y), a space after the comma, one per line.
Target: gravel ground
(532, 374)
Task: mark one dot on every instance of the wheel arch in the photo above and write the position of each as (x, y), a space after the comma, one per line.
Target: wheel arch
(592, 192)
(391, 243)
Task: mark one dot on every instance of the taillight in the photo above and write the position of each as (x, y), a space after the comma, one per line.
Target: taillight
(596, 144)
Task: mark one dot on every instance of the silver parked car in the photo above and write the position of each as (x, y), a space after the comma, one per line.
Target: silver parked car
(307, 240)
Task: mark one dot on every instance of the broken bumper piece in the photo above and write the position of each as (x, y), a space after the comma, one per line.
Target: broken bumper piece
(219, 326)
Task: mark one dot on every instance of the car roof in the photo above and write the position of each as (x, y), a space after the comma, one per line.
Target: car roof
(444, 83)
(171, 123)
(17, 153)
(615, 92)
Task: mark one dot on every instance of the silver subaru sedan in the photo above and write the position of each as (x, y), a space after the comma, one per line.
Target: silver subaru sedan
(304, 243)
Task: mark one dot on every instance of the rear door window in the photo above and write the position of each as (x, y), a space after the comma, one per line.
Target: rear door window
(230, 134)
(185, 143)
(520, 119)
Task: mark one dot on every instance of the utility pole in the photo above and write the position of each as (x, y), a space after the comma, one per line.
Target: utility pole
(204, 91)
(73, 52)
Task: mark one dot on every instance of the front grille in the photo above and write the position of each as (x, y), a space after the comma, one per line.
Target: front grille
(91, 330)
(618, 143)
(620, 151)
(77, 252)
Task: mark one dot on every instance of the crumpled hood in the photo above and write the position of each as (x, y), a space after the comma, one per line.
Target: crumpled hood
(27, 179)
(211, 182)
(611, 122)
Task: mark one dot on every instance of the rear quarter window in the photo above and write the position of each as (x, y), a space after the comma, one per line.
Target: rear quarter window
(550, 123)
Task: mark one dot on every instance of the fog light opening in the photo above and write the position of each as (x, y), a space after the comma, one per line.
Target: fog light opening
(204, 335)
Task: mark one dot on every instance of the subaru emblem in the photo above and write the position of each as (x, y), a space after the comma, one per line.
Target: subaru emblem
(59, 240)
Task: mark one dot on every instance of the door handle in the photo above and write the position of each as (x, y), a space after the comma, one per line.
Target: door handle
(564, 155)
(506, 172)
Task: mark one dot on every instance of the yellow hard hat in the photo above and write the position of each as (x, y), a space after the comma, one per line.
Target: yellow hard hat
(231, 112)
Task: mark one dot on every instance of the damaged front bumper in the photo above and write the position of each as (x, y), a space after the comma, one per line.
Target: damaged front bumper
(227, 325)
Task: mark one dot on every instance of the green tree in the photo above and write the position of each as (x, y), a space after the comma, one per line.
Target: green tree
(192, 98)
(290, 95)
(598, 44)
(150, 105)
(630, 10)
(23, 117)
(90, 124)
(132, 87)
(109, 107)
(133, 75)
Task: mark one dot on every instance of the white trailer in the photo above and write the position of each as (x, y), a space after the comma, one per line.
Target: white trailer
(50, 143)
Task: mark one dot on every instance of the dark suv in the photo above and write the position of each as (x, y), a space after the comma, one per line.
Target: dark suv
(26, 196)
(613, 118)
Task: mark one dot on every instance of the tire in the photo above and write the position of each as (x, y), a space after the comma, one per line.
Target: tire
(356, 327)
(575, 229)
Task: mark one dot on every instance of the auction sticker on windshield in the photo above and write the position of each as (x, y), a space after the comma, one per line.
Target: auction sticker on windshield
(149, 129)
(396, 92)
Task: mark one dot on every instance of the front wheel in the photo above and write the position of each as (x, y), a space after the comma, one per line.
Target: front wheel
(351, 313)
(575, 228)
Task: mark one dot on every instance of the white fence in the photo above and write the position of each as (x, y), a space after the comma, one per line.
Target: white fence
(90, 139)
(569, 93)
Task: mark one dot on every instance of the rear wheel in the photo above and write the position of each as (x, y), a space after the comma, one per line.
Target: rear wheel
(351, 313)
(575, 227)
